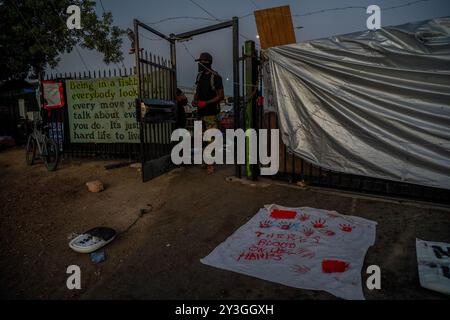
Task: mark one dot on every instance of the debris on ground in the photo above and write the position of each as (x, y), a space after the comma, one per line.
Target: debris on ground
(143, 211)
(302, 184)
(95, 186)
(433, 260)
(98, 256)
(136, 165)
(261, 183)
(92, 240)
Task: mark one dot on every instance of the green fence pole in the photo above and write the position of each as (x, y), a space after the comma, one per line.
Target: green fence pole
(250, 85)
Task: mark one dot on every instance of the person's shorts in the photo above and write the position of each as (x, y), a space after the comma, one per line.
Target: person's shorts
(210, 122)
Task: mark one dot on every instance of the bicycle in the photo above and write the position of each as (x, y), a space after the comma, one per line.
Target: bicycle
(45, 147)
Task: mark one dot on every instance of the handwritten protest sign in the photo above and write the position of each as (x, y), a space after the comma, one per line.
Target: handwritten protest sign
(103, 110)
(300, 247)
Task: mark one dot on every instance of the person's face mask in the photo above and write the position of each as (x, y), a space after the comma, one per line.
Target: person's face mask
(204, 66)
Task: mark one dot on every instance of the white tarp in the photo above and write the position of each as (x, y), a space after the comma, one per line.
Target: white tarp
(433, 259)
(372, 103)
(290, 245)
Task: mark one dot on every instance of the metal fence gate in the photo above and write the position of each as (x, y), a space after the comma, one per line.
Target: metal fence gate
(155, 105)
(157, 91)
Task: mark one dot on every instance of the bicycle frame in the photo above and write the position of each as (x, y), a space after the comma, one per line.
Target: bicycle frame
(40, 145)
(40, 138)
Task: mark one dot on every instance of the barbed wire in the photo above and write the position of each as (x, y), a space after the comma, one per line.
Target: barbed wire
(204, 10)
(178, 18)
(217, 19)
(311, 13)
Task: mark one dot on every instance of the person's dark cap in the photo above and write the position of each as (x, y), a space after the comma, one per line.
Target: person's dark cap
(205, 56)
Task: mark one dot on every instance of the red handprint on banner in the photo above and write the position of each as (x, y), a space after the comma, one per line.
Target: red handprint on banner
(285, 225)
(319, 224)
(346, 227)
(266, 224)
(303, 217)
(306, 253)
(327, 232)
(308, 232)
(300, 269)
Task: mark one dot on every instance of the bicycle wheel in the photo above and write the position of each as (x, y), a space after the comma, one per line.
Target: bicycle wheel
(51, 154)
(30, 151)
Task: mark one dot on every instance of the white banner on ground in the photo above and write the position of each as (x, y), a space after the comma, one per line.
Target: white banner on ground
(304, 248)
(433, 259)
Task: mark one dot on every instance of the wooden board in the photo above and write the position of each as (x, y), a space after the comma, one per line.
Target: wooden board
(275, 26)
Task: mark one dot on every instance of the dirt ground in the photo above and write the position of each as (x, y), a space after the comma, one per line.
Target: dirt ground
(192, 213)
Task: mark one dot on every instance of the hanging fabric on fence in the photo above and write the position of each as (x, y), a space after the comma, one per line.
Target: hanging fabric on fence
(304, 248)
(54, 99)
(372, 103)
(53, 94)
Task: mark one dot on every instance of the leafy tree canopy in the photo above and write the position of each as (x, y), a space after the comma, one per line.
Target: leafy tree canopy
(34, 34)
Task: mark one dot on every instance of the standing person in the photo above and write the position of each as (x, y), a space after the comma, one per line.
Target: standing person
(208, 95)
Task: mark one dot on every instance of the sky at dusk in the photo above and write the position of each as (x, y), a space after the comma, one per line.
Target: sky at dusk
(219, 43)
